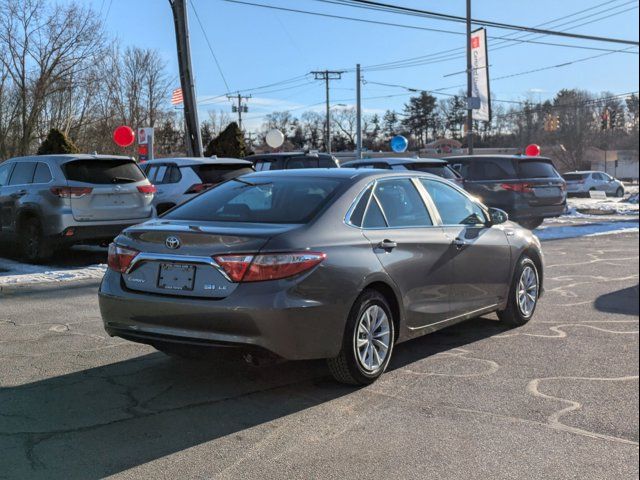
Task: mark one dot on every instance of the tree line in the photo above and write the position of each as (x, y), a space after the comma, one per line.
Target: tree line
(60, 70)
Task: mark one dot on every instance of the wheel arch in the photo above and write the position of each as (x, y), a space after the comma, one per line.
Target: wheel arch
(536, 258)
(390, 294)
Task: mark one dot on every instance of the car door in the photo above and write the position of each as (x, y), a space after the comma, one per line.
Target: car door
(481, 253)
(12, 194)
(608, 184)
(5, 174)
(411, 249)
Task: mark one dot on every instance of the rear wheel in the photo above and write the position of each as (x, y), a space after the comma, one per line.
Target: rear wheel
(531, 223)
(34, 247)
(368, 341)
(523, 294)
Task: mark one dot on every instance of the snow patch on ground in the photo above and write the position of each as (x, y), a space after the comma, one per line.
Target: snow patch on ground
(614, 206)
(16, 273)
(589, 230)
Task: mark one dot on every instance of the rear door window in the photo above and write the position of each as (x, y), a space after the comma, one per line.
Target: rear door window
(23, 173)
(103, 171)
(219, 173)
(537, 169)
(402, 204)
(42, 174)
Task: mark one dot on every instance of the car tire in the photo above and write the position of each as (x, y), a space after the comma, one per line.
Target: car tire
(34, 246)
(359, 361)
(620, 192)
(531, 223)
(516, 314)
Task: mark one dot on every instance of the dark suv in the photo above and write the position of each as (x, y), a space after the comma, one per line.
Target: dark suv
(529, 189)
(292, 160)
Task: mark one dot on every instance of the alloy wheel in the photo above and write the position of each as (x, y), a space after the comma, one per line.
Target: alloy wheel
(372, 339)
(527, 292)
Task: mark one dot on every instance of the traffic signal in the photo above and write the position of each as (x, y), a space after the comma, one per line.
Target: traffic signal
(604, 119)
(612, 119)
(555, 122)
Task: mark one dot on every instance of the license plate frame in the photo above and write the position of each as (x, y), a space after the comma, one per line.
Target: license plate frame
(176, 276)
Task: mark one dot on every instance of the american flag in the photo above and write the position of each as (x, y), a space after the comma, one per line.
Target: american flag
(176, 97)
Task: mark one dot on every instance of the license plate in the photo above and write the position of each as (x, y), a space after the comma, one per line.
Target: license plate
(176, 277)
(547, 192)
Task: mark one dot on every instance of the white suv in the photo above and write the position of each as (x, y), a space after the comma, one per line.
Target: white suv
(581, 183)
(179, 179)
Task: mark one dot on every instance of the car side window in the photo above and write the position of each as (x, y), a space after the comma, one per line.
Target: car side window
(374, 217)
(172, 175)
(402, 204)
(357, 214)
(262, 165)
(4, 173)
(454, 207)
(326, 163)
(42, 174)
(22, 173)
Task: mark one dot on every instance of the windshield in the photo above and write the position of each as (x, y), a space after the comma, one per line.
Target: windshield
(103, 171)
(260, 200)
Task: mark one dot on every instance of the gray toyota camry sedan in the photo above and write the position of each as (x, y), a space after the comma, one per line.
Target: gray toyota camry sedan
(339, 264)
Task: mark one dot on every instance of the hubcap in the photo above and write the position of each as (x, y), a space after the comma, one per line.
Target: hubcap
(372, 339)
(527, 290)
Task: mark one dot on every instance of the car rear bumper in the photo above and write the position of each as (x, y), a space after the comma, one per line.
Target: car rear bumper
(91, 234)
(256, 315)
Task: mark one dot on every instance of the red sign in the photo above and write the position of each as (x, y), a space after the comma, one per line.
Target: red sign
(475, 42)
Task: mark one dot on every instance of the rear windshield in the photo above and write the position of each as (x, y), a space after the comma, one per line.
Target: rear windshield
(537, 169)
(103, 171)
(443, 171)
(260, 200)
(219, 173)
(574, 176)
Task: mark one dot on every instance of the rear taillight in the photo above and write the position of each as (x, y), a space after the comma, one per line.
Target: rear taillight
(120, 258)
(258, 268)
(71, 192)
(199, 187)
(147, 189)
(517, 187)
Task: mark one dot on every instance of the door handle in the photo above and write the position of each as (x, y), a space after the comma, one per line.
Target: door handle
(18, 194)
(387, 244)
(459, 243)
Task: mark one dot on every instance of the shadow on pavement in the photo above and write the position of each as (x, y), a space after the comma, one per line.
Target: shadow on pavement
(101, 421)
(623, 301)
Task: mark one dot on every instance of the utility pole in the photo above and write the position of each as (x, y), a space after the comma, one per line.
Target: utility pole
(328, 75)
(194, 138)
(240, 108)
(469, 83)
(358, 114)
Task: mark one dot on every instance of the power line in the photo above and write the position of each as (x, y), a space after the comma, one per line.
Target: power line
(486, 23)
(206, 37)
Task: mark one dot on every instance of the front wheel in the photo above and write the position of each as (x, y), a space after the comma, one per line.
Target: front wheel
(368, 341)
(523, 294)
(620, 192)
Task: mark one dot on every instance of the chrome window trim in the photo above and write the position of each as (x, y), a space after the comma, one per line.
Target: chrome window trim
(188, 259)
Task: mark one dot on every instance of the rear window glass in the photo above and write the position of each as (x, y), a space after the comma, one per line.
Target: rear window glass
(574, 176)
(303, 162)
(443, 171)
(537, 169)
(219, 173)
(490, 169)
(260, 200)
(103, 171)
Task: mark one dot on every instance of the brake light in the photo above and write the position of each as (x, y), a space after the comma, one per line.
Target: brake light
(147, 189)
(517, 187)
(199, 187)
(71, 192)
(258, 268)
(119, 258)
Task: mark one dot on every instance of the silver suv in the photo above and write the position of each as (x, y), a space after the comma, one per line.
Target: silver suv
(52, 201)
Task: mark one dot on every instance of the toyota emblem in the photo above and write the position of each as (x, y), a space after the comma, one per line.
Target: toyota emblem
(172, 242)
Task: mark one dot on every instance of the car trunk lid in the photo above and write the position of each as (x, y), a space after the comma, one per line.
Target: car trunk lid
(544, 185)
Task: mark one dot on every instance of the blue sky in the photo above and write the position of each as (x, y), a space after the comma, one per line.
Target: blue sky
(257, 46)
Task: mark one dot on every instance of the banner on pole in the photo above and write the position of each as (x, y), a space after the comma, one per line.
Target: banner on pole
(480, 75)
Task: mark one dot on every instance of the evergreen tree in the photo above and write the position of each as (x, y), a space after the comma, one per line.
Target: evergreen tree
(57, 142)
(230, 143)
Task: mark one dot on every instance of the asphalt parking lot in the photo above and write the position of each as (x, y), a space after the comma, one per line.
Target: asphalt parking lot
(557, 398)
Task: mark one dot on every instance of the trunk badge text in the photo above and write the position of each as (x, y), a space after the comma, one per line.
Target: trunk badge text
(172, 242)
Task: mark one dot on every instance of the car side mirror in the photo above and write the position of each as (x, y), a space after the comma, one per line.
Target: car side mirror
(498, 216)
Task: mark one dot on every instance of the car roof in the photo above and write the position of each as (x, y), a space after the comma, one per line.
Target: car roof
(584, 171)
(345, 173)
(290, 154)
(190, 161)
(510, 157)
(65, 157)
(396, 161)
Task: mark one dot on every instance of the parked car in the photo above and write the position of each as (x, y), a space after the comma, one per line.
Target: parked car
(51, 201)
(529, 189)
(319, 264)
(583, 182)
(179, 179)
(435, 166)
(292, 160)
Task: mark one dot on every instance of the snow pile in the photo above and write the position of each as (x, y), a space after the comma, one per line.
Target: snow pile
(585, 230)
(608, 206)
(14, 273)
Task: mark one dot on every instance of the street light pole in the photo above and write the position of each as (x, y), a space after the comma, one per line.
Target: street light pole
(469, 83)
